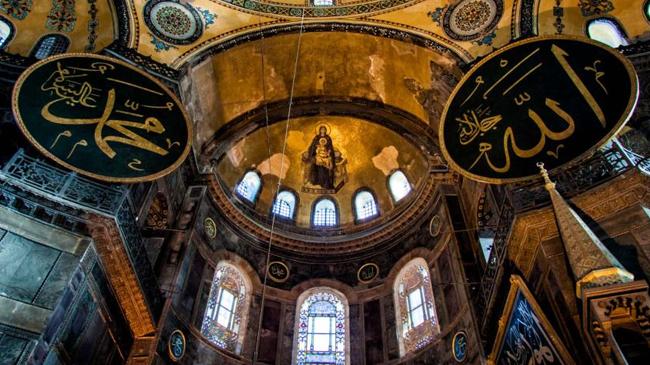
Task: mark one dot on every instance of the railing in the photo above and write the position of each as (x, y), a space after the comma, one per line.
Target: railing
(61, 184)
(603, 166)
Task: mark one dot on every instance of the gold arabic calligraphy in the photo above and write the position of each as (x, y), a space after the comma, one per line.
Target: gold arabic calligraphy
(478, 122)
(70, 87)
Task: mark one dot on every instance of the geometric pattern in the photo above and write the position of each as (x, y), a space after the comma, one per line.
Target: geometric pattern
(18, 9)
(595, 7)
(173, 22)
(472, 19)
(62, 17)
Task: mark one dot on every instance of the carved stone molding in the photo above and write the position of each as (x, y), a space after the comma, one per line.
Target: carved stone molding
(610, 307)
(532, 228)
(115, 260)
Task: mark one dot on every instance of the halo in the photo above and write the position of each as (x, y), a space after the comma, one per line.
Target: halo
(328, 129)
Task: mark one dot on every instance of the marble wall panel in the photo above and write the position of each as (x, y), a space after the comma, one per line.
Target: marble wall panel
(56, 281)
(24, 266)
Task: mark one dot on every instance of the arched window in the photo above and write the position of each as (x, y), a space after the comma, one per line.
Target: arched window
(249, 187)
(324, 213)
(6, 32)
(364, 205)
(224, 322)
(50, 45)
(322, 334)
(285, 204)
(414, 306)
(606, 31)
(647, 10)
(399, 185)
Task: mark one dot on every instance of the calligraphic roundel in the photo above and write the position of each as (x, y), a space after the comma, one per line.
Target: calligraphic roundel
(102, 118)
(548, 99)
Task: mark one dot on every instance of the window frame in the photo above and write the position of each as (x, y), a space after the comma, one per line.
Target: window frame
(390, 190)
(294, 214)
(300, 302)
(40, 41)
(614, 23)
(252, 203)
(377, 213)
(11, 35)
(336, 213)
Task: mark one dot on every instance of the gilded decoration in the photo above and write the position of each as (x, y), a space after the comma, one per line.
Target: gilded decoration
(324, 167)
(595, 7)
(525, 335)
(18, 9)
(278, 271)
(173, 22)
(292, 10)
(62, 16)
(570, 94)
(367, 272)
(102, 117)
(210, 228)
(472, 19)
(176, 345)
(435, 226)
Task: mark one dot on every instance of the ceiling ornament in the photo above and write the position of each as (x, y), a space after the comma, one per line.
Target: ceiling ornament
(292, 10)
(472, 19)
(210, 228)
(173, 22)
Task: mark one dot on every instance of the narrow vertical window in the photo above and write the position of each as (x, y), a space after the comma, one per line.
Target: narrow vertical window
(606, 31)
(249, 187)
(364, 205)
(285, 204)
(321, 328)
(225, 316)
(50, 45)
(324, 213)
(399, 185)
(414, 306)
(6, 32)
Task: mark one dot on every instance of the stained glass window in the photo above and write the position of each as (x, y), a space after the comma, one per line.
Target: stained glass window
(321, 328)
(414, 304)
(606, 31)
(365, 205)
(6, 32)
(249, 186)
(227, 308)
(324, 213)
(285, 204)
(50, 45)
(399, 185)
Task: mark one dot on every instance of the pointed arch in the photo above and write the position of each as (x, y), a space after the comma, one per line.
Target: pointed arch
(415, 312)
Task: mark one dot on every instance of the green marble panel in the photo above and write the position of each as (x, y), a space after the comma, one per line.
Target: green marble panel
(24, 266)
(11, 348)
(56, 281)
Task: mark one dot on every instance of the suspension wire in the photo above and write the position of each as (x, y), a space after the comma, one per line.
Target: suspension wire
(279, 184)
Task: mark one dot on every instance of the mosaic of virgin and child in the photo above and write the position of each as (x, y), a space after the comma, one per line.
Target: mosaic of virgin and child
(324, 166)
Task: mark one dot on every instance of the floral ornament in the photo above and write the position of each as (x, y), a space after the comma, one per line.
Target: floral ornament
(486, 40)
(595, 7)
(62, 17)
(208, 17)
(18, 9)
(436, 15)
(160, 45)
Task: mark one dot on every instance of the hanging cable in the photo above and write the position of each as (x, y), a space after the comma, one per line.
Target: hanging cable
(279, 184)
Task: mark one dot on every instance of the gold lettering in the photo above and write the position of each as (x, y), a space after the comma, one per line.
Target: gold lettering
(65, 133)
(82, 142)
(597, 75)
(485, 94)
(135, 162)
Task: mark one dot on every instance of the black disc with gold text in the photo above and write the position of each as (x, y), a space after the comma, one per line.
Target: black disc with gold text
(102, 118)
(549, 99)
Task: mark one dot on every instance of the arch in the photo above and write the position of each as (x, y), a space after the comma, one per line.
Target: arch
(324, 213)
(398, 185)
(415, 313)
(365, 205)
(607, 31)
(226, 313)
(49, 45)
(7, 32)
(250, 186)
(322, 329)
(284, 205)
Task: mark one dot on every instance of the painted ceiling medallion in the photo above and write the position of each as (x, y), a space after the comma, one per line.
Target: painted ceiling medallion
(173, 22)
(471, 19)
